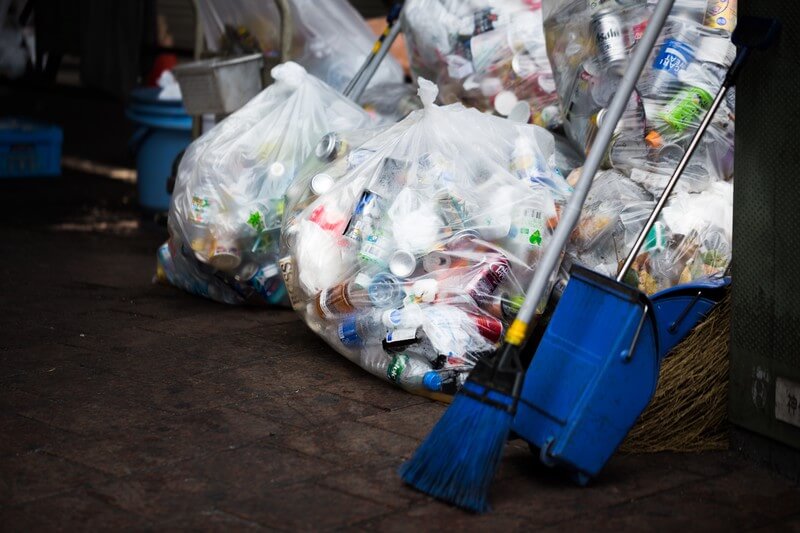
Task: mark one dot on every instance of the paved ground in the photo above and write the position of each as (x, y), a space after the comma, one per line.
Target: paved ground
(130, 405)
(126, 405)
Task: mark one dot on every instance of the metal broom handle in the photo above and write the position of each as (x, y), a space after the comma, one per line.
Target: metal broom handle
(572, 212)
(673, 181)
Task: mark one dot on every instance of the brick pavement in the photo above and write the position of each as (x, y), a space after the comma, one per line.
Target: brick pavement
(127, 405)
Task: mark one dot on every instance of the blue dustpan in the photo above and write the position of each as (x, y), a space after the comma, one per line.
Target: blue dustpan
(590, 380)
(679, 309)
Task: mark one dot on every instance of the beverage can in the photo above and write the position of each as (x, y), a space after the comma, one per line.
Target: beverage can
(334, 301)
(330, 147)
(436, 261)
(721, 15)
(402, 263)
(609, 34)
(491, 273)
(225, 255)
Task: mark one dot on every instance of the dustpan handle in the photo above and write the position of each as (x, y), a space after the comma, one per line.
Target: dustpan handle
(285, 11)
(572, 212)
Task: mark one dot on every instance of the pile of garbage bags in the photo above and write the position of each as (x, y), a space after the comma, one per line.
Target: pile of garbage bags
(409, 249)
(589, 44)
(228, 202)
(330, 39)
(487, 54)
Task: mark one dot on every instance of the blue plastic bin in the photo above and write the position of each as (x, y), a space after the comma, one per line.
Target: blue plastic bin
(164, 131)
(29, 148)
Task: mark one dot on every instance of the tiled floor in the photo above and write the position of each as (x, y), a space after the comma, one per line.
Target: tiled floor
(127, 405)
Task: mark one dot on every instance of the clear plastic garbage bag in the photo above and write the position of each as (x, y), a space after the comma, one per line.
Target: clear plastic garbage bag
(330, 39)
(229, 195)
(408, 249)
(589, 44)
(486, 54)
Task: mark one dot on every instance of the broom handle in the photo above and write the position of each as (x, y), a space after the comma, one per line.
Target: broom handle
(673, 181)
(386, 44)
(544, 271)
(386, 40)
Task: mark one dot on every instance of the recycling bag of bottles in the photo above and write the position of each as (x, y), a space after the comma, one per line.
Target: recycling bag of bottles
(226, 210)
(589, 43)
(487, 54)
(407, 249)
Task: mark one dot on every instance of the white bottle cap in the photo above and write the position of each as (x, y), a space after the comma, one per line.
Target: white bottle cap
(321, 183)
(504, 102)
(520, 113)
(491, 86)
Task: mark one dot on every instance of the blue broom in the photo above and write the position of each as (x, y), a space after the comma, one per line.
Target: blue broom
(457, 461)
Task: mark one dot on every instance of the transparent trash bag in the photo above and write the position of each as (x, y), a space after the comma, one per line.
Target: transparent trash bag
(408, 248)
(589, 44)
(229, 195)
(330, 39)
(486, 54)
(690, 240)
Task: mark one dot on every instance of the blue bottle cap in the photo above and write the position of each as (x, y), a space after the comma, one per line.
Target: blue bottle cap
(348, 333)
(432, 381)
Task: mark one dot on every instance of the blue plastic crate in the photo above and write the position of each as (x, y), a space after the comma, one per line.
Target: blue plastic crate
(29, 148)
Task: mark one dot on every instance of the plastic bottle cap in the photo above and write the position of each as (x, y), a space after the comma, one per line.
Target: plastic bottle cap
(491, 86)
(716, 49)
(504, 102)
(348, 333)
(321, 183)
(277, 170)
(520, 113)
(432, 381)
(402, 263)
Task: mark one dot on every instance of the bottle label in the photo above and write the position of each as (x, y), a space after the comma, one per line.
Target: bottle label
(684, 109)
(673, 57)
(397, 368)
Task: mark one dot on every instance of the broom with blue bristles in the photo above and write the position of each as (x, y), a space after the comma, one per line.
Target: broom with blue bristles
(457, 461)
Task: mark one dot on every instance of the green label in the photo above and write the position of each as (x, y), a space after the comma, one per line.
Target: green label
(687, 105)
(256, 221)
(396, 368)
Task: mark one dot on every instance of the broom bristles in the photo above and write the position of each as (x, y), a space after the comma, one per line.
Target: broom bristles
(457, 461)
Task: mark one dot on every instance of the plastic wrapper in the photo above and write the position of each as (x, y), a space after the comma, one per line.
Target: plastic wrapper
(226, 209)
(413, 258)
(589, 44)
(330, 39)
(485, 53)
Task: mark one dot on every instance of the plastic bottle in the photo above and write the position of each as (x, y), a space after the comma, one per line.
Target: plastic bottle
(702, 80)
(356, 330)
(400, 368)
(676, 51)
